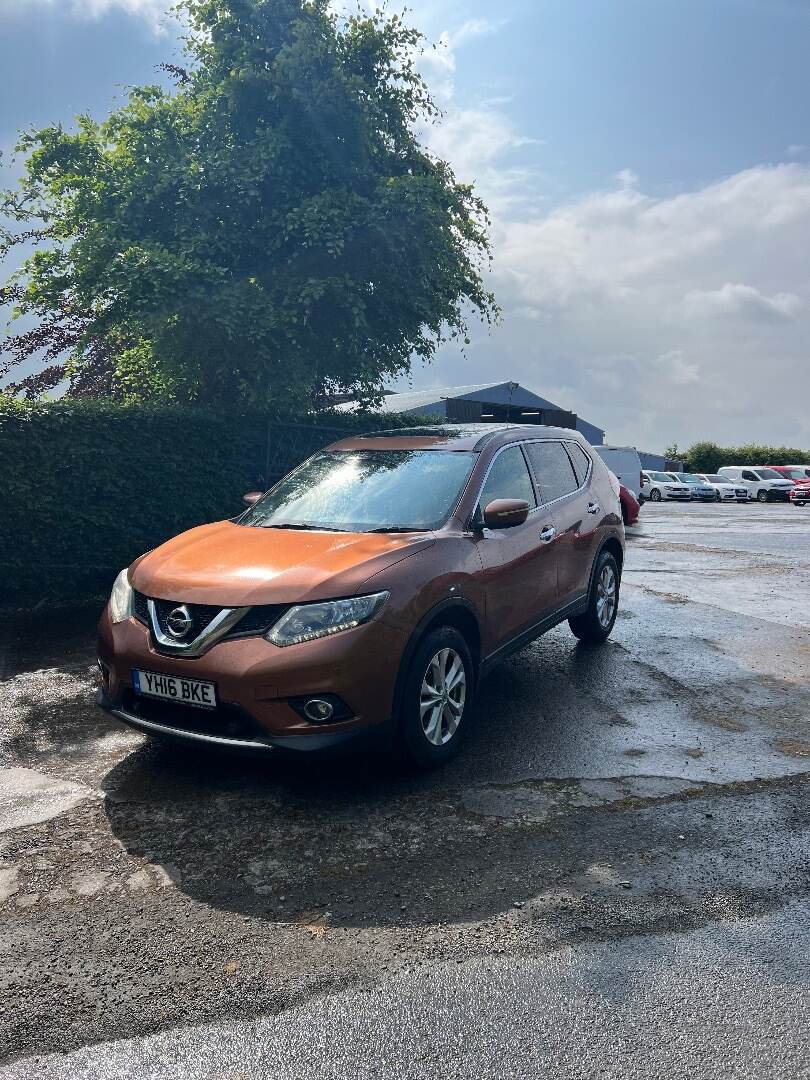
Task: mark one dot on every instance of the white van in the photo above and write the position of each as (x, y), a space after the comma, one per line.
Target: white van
(762, 484)
(625, 463)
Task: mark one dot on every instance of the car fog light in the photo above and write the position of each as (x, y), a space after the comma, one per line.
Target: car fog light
(318, 710)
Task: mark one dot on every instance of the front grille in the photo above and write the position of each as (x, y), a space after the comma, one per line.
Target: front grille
(201, 616)
(226, 721)
(256, 620)
(139, 608)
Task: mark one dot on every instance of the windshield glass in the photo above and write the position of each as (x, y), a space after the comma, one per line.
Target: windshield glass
(793, 474)
(769, 474)
(689, 478)
(366, 490)
(660, 477)
(715, 478)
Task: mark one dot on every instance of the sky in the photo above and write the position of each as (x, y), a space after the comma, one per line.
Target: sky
(647, 165)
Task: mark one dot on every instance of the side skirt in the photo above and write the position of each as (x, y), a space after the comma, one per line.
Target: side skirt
(575, 607)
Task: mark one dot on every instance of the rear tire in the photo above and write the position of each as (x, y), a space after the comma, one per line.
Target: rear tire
(595, 624)
(762, 496)
(437, 699)
(655, 495)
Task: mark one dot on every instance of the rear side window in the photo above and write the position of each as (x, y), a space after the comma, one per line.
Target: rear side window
(581, 461)
(553, 470)
(508, 479)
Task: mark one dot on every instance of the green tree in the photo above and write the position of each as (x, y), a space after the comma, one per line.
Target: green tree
(708, 457)
(267, 230)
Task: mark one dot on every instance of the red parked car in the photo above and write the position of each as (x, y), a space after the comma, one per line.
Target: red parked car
(630, 506)
(800, 477)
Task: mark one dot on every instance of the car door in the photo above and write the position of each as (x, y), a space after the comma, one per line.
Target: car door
(751, 481)
(519, 564)
(562, 474)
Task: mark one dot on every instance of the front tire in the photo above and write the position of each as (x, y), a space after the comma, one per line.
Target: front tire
(655, 495)
(762, 496)
(595, 624)
(436, 700)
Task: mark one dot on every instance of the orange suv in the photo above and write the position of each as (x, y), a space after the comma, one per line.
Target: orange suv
(363, 597)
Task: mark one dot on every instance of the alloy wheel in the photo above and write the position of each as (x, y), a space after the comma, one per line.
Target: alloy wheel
(606, 596)
(442, 696)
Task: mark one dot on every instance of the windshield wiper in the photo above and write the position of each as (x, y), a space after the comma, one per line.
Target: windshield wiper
(300, 525)
(396, 529)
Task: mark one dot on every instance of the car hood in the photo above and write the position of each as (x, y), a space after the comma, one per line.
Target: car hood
(236, 565)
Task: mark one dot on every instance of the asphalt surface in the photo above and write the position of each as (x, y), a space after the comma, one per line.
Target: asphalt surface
(611, 881)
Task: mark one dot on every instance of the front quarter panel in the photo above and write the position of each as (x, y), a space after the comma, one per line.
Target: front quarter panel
(449, 570)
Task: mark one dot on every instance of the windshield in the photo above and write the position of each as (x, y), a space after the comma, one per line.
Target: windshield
(716, 478)
(660, 477)
(366, 491)
(689, 478)
(793, 474)
(769, 474)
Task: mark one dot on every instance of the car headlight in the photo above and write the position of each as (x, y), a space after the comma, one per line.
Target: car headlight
(307, 621)
(121, 598)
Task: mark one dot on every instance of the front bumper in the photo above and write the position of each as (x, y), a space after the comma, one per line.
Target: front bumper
(678, 496)
(254, 682)
(354, 738)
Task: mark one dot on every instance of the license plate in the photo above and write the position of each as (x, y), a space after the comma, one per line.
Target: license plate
(175, 688)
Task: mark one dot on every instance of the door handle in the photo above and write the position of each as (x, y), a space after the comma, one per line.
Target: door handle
(547, 534)
(594, 508)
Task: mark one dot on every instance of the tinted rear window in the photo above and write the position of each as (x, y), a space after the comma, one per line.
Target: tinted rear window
(552, 469)
(581, 461)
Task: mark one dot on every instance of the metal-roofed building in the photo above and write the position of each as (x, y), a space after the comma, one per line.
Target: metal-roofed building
(483, 403)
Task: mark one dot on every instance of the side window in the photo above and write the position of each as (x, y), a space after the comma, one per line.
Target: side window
(748, 475)
(508, 479)
(553, 469)
(581, 461)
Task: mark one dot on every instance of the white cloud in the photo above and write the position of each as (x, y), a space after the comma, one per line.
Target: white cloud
(627, 178)
(153, 11)
(659, 318)
(473, 28)
(744, 301)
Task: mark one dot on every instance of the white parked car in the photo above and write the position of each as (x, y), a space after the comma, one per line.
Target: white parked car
(761, 484)
(661, 485)
(726, 490)
(624, 463)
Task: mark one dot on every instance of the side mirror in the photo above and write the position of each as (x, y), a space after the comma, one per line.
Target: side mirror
(505, 513)
(252, 497)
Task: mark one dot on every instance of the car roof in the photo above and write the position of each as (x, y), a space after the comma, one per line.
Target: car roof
(452, 437)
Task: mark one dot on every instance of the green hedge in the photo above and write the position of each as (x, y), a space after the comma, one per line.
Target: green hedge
(85, 487)
(708, 457)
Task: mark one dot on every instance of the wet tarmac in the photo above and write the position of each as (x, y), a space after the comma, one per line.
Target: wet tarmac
(656, 786)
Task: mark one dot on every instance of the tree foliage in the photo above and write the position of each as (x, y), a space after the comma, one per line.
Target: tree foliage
(268, 229)
(708, 457)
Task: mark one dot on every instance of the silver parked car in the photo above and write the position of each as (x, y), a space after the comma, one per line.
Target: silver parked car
(725, 490)
(698, 488)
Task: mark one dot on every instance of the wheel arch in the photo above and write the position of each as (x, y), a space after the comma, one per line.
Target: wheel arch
(458, 613)
(611, 544)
